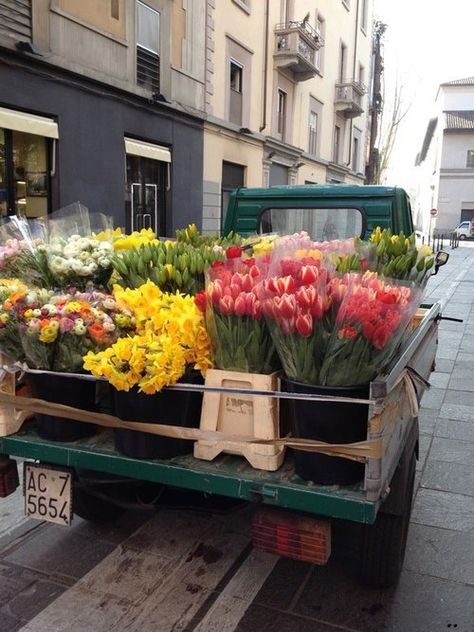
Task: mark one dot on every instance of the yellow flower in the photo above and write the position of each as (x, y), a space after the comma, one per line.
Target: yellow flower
(48, 334)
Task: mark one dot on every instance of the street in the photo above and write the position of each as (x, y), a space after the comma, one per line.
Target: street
(177, 569)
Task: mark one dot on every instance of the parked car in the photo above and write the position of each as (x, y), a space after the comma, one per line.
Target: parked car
(465, 230)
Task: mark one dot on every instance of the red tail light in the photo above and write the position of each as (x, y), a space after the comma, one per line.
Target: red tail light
(8, 477)
(292, 535)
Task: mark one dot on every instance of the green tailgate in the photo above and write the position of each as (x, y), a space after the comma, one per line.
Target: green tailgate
(227, 475)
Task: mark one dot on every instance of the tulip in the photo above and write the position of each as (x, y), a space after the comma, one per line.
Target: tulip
(226, 305)
(304, 325)
(240, 306)
(309, 274)
(287, 307)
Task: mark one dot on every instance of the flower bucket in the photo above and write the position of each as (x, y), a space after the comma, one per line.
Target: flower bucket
(63, 390)
(173, 408)
(332, 422)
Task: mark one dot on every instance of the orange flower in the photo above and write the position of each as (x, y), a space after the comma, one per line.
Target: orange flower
(96, 332)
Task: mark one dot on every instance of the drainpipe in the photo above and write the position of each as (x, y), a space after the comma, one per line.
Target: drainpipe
(265, 69)
(356, 34)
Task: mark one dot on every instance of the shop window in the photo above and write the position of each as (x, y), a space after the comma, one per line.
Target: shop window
(24, 174)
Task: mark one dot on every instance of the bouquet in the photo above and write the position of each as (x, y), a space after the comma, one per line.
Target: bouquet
(170, 340)
(370, 322)
(56, 331)
(76, 257)
(11, 291)
(241, 340)
(295, 304)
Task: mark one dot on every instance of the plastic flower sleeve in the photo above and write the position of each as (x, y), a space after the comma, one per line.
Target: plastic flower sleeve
(75, 256)
(234, 319)
(370, 324)
(294, 305)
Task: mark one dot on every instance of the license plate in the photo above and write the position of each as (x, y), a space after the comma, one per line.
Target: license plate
(48, 494)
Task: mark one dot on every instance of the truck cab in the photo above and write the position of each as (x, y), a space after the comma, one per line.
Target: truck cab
(464, 230)
(325, 211)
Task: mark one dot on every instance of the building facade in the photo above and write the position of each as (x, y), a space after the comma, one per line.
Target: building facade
(446, 160)
(285, 95)
(83, 114)
(152, 111)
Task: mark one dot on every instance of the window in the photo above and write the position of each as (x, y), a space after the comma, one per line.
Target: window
(24, 174)
(363, 16)
(320, 29)
(236, 78)
(15, 18)
(148, 47)
(337, 142)
(342, 63)
(114, 9)
(361, 74)
(321, 223)
(281, 113)
(313, 133)
(355, 154)
(470, 158)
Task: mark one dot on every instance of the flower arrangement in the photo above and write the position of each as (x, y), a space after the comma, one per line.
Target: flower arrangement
(11, 291)
(371, 319)
(172, 266)
(241, 339)
(171, 338)
(80, 261)
(56, 331)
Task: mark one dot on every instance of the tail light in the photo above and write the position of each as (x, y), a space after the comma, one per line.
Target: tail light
(292, 535)
(9, 480)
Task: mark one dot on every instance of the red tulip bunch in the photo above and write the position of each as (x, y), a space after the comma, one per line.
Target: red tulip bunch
(235, 322)
(370, 322)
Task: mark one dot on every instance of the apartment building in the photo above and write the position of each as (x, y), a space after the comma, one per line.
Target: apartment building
(154, 110)
(285, 95)
(102, 101)
(445, 163)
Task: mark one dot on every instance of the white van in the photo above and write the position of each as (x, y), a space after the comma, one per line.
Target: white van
(464, 230)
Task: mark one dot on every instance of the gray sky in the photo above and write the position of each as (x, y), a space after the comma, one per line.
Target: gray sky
(427, 42)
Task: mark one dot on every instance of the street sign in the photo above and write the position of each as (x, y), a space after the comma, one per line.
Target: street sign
(434, 212)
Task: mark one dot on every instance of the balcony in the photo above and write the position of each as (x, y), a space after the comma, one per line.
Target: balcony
(295, 49)
(348, 99)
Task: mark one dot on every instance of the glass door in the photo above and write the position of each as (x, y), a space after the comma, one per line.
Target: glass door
(145, 194)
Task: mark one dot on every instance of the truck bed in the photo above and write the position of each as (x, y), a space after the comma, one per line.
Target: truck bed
(227, 475)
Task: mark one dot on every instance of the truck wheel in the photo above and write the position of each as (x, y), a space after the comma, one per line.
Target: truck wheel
(462, 237)
(383, 543)
(93, 509)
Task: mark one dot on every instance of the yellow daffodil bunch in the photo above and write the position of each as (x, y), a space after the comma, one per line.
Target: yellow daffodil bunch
(260, 244)
(121, 241)
(171, 337)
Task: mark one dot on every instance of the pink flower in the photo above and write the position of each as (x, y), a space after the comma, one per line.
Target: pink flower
(65, 325)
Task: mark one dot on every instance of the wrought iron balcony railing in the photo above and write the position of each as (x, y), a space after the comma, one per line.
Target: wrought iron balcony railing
(295, 49)
(348, 97)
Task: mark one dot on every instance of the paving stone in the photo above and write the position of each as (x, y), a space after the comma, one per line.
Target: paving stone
(449, 477)
(444, 509)
(13, 579)
(447, 353)
(258, 618)
(442, 553)
(452, 451)
(423, 449)
(465, 398)
(427, 420)
(439, 380)
(465, 383)
(282, 584)
(464, 357)
(32, 600)
(9, 623)
(60, 552)
(417, 604)
(453, 429)
(457, 412)
(115, 532)
(433, 398)
(443, 365)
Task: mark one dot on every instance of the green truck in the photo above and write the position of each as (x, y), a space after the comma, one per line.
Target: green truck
(369, 518)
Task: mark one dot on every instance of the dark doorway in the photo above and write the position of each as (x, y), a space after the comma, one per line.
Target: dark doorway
(467, 215)
(145, 194)
(232, 178)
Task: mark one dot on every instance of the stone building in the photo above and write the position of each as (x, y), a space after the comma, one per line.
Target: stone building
(154, 110)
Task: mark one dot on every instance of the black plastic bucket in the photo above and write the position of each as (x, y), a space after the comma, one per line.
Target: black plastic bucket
(173, 408)
(63, 390)
(332, 422)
